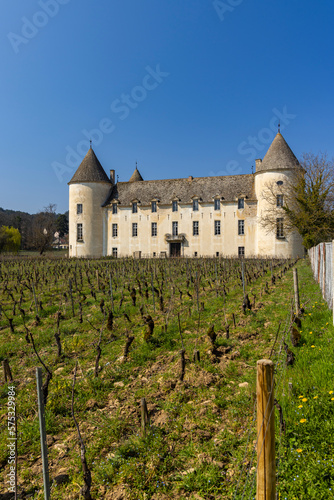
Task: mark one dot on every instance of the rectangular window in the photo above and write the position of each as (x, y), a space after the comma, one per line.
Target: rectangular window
(195, 205)
(279, 200)
(135, 229)
(217, 227)
(79, 232)
(79, 208)
(195, 228)
(241, 251)
(175, 227)
(154, 206)
(241, 227)
(114, 208)
(217, 204)
(241, 203)
(154, 229)
(114, 252)
(134, 207)
(154, 254)
(217, 254)
(114, 231)
(279, 228)
(195, 254)
(174, 206)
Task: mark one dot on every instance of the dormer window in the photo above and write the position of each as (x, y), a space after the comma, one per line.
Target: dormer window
(241, 203)
(154, 206)
(195, 205)
(114, 208)
(217, 203)
(134, 207)
(174, 206)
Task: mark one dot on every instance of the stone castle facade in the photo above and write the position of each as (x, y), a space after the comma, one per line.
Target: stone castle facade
(190, 217)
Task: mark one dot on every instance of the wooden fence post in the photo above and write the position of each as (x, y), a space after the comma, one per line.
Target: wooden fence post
(44, 447)
(332, 277)
(296, 290)
(266, 477)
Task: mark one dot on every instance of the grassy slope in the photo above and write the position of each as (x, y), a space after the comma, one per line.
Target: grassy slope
(201, 440)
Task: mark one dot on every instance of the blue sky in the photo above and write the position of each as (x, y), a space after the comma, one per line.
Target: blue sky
(183, 87)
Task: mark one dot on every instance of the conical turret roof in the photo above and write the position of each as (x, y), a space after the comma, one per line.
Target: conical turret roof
(135, 177)
(90, 170)
(279, 156)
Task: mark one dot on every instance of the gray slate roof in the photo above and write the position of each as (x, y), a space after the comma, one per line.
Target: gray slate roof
(184, 190)
(278, 156)
(90, 170)
(136, 177)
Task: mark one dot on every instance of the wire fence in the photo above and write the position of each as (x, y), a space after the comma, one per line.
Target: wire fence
(321, 257)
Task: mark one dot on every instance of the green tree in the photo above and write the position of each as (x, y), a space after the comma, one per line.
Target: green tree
(10, 239)
(311, 213)
(311, 207)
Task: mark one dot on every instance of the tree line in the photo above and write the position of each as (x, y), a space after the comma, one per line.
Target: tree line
(24, 231)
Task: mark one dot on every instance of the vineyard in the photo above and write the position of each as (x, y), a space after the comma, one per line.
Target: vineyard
(153, 364)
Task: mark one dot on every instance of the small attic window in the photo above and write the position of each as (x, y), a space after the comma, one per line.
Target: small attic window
(241, 203)
(217, 203)
(134, 207)
(195, 205)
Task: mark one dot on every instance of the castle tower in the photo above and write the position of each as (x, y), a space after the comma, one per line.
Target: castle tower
(275, 173)
(88, 190)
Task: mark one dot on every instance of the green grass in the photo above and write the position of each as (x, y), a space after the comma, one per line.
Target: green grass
(200, 441)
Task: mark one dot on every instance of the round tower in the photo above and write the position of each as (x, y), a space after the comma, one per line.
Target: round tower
(88, 190)
(273, 179)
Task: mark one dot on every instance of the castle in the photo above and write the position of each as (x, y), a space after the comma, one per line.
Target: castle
(190, 217)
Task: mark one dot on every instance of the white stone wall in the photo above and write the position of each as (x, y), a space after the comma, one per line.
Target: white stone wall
(269, 244)
(92, 196)
(206, 243)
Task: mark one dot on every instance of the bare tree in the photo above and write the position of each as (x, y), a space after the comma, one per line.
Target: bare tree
(43, 229)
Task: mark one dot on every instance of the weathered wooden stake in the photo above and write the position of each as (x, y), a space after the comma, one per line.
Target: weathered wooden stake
(266, 477)
(70, 285)
(145, 421)
(152, 290)
(36, 306)
(44, 447)
(111, 294)
(6, 370)
(183, 364)
(197, 357)
(243, 278)
(296, 290)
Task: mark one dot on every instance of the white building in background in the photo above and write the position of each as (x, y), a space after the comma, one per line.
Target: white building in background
(195, 216)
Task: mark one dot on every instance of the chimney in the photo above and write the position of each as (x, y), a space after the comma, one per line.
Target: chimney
(257, 164)
(112, 176)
